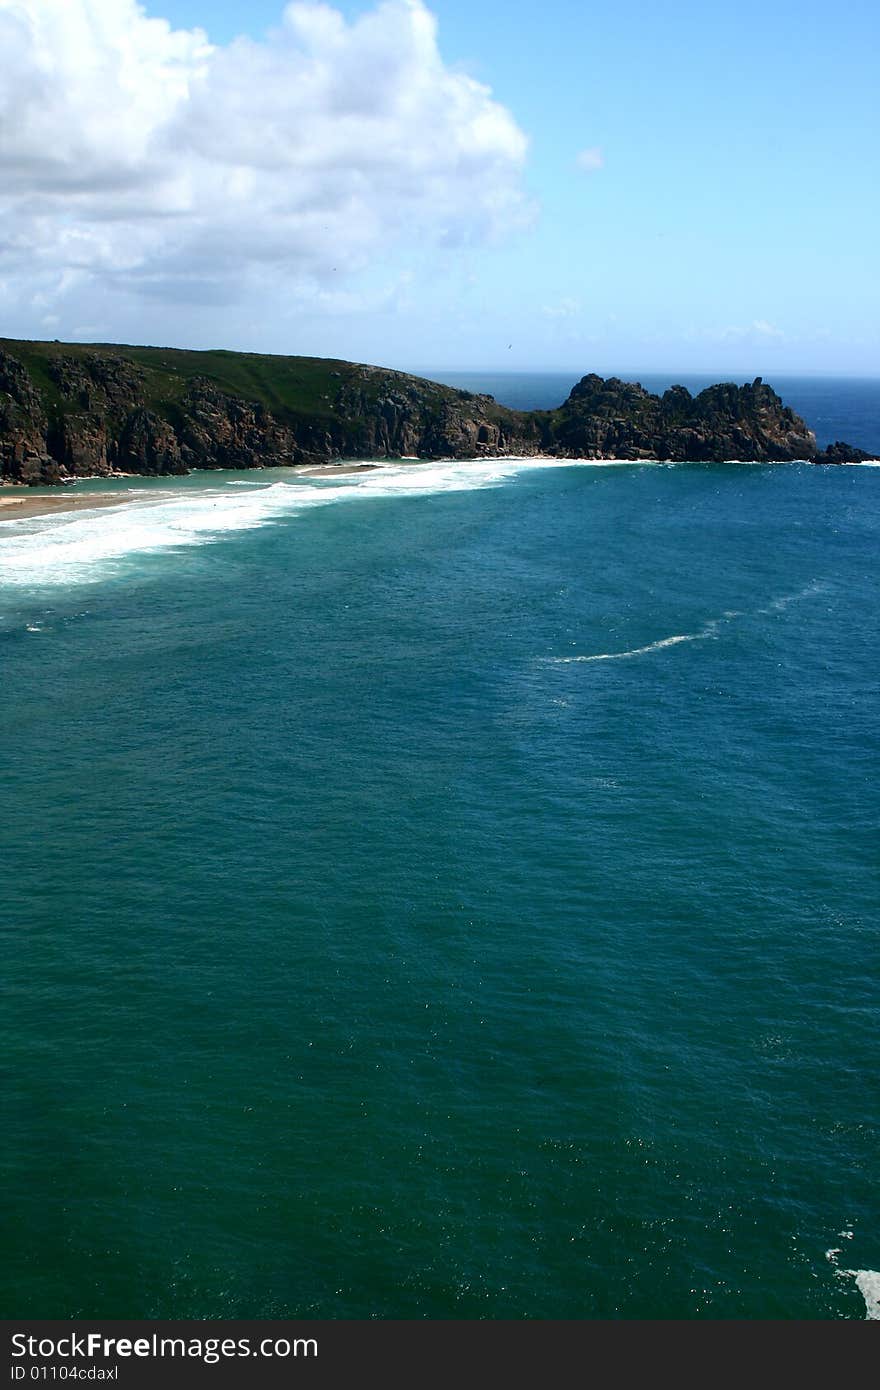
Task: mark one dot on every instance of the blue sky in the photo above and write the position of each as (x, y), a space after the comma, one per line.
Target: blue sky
(696, 188)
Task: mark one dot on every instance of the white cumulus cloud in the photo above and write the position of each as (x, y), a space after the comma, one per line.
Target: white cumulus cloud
(136, 158)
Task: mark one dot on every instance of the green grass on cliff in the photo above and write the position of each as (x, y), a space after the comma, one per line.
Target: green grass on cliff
(290, 387)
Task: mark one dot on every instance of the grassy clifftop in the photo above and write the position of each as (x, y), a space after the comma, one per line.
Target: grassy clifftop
(288, 386)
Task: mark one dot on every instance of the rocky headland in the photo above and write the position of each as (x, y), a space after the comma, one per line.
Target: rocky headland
(68, 411)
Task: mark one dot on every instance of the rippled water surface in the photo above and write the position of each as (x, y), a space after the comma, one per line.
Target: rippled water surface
(449, 891)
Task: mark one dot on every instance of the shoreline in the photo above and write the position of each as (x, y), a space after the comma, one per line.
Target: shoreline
(17, 502)
(18, 508)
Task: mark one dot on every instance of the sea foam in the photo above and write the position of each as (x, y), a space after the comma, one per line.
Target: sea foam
(706, 633)
(634, 651)
(85, 546)
(868, 1284)
(867, 1281)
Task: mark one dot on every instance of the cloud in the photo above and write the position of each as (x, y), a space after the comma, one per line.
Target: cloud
(758, 328)
(566, 308)
(590, 160)
(763, 329)
(140, 159)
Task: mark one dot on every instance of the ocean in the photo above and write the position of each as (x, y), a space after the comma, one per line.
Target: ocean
(448, 891)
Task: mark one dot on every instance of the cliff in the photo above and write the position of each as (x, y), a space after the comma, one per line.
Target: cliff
(69, 411)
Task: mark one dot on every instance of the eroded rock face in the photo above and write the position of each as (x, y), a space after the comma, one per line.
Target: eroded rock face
(24, 456)
(97, 384)
(219, 431)
(420, 419)
(616, 419)
(468, 431)
(105, 413)
(79, 444)
(148, 444)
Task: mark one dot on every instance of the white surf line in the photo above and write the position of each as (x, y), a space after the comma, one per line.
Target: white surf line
(777, 605)
(868, 1284)
(90, 544)
(867, 1280)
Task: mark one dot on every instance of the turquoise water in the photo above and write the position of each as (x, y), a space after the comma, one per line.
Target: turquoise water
(446, 892)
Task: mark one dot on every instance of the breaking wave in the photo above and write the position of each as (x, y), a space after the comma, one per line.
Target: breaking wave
(867, 1281)
(84, 546)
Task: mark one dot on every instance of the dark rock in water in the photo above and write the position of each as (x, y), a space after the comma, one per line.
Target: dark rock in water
(73, 411)
(618, 419)
(843, 453)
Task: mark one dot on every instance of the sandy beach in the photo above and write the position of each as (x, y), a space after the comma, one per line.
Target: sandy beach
(15, 508)
(17, 503)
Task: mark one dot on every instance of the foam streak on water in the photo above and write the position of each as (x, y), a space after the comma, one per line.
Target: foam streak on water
(710, 630)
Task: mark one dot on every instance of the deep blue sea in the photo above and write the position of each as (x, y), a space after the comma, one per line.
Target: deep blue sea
(448, 891)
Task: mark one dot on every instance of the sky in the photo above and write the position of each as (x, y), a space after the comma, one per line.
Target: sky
(492, 185)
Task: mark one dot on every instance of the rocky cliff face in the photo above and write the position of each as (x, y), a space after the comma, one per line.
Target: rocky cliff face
(407, 416)
(24, 456)
(620, 420)
(79, 412)
(97, 422)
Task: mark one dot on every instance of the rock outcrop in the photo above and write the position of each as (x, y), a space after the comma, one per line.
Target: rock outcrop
(843, 453)
(617, 419)
(68, 411)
